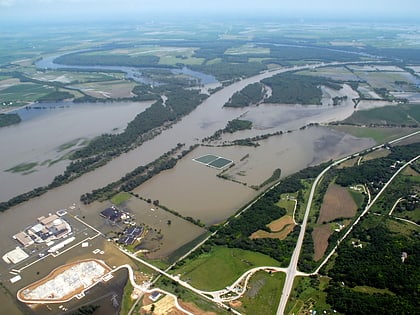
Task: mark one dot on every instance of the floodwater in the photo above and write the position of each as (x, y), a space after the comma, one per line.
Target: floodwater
(291, 152)
(37, 139)
(202, 122)
(134, 73)
(194, 190)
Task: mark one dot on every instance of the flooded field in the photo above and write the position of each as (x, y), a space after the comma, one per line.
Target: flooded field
(175, 231)
(190, 188)
(47, 135)
(194, 190)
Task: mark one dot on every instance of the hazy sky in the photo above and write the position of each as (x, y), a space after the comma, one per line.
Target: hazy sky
(13, 10)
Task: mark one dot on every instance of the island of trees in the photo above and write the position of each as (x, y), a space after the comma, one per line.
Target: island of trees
(9, 119)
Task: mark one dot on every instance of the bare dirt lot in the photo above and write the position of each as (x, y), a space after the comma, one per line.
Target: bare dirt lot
(337, 203)
(164, 306)
(320, 235)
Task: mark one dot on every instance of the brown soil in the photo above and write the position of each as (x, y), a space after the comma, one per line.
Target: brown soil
(409, 171)
(376, 155)
(279, 224)
(279, 235)
(235, 304)
(280, 227)
(337, 203)
(320, 236)
(165, 306)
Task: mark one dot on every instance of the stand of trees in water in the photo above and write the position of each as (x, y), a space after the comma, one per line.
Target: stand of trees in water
(9, 119)
(286, 88)
(249, 95)
(102, 149)
(297, 89)
(138, 176)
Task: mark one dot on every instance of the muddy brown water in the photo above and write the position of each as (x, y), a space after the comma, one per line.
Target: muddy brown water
(190, 188)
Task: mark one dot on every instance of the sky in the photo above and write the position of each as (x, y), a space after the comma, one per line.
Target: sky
(78, 10)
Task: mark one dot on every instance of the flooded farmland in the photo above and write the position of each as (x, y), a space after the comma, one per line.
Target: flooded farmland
(190, 189)
(193, 189)
(46, 135)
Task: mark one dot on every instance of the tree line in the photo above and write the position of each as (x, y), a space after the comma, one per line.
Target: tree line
(9, 119)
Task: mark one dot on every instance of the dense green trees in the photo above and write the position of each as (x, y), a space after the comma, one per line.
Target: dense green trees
(237, 125)
(378, 265)
(9, 119)
(376, 172)
(251, 94)
(297, 89)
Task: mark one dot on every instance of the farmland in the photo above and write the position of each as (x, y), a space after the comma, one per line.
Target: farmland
(337, 203)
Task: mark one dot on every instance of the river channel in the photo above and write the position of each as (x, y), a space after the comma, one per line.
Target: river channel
(202, 122)
(291, 152)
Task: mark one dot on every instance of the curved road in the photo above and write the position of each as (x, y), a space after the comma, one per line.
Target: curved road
(292, 269)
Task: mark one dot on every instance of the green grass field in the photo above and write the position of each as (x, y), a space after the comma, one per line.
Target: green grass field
(289, 205)
(379, 135)
(263, 294)
(247, 50)
(221, 267)
(392, 115)
(307, 294)
(357, 197)
(26, 92)
(120, 198)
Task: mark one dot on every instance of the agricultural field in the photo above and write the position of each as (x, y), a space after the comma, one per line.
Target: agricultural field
(279, 229)
(377, 154)
(320, 236)
(76, 77)
(337, 203)
(108, 89)
(24, 93)
(379, 134)
(248, 49)
(220, 267)
(399, 115)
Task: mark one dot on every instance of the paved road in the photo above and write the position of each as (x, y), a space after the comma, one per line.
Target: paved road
(292, 269)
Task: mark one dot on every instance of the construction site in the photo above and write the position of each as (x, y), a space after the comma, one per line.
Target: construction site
(66, 282)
